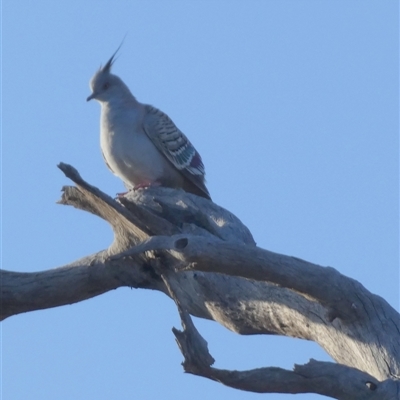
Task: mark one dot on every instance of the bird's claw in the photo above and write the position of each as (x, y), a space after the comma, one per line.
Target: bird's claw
(142, 185)
(146, 184)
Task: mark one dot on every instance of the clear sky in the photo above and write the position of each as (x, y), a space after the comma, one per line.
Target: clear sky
(294, 107)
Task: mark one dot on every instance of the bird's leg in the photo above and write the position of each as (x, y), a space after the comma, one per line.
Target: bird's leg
(141, 185)
(146, 184)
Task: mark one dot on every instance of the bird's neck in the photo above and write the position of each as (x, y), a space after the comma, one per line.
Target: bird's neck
(119, 105)
(124, 99)
(119, 112)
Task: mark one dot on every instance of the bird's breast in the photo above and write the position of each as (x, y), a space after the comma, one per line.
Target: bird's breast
(128, 151)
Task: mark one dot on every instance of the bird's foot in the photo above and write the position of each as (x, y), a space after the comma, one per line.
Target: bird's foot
(146, 184)
(142, 185)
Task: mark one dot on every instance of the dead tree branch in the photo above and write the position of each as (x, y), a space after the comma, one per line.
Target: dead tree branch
(206, 260)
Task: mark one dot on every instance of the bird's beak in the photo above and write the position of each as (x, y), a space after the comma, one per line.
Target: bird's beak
(92, 96)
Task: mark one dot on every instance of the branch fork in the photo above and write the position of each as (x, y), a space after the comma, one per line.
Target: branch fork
(206, 260)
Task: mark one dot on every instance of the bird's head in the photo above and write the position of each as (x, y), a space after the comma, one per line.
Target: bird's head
(106, 86)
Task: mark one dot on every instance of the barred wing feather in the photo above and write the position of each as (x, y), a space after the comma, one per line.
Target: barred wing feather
(175, 146)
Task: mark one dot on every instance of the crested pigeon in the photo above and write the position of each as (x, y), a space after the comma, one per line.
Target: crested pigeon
(141, 144)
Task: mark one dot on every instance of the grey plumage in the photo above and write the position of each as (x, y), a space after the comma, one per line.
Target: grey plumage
(141, 144)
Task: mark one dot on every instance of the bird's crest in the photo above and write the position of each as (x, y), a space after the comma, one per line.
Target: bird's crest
(110, 62)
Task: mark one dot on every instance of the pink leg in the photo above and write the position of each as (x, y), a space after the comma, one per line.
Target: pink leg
(141, 185)
(146, 184)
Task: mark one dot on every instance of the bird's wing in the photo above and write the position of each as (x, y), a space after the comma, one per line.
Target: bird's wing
(175, 146)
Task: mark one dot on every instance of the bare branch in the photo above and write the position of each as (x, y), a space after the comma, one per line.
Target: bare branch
(81, 280)
(206, 260)
(235, 259)
(192, 345)
(328, 379)
(325, 378)
(324, 284)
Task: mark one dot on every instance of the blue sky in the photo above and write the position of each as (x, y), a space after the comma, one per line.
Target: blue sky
(294, 107)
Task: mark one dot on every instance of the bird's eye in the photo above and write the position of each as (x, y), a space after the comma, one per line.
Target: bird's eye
(106, 85)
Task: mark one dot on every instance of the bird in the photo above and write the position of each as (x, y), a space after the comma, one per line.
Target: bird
(140, 143)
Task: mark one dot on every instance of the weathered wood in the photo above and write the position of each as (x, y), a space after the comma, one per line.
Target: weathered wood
(345, 305)
(206, 260)
(332, 380)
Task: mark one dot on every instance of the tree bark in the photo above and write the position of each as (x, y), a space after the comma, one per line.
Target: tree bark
(206, 260)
